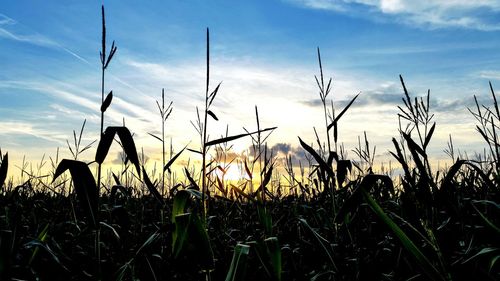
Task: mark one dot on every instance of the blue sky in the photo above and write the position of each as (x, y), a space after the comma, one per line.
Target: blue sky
(263, 51)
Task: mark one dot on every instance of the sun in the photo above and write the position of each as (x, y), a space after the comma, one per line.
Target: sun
(230, 173)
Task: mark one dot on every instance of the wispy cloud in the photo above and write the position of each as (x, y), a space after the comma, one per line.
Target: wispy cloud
(490, 74)
(12, 30)
(479, 15)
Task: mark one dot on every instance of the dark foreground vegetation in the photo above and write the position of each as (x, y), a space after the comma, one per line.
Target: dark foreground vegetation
(329, 219)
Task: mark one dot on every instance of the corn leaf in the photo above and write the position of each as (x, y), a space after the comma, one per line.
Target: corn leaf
(274, 252)
(152, 188)
(323, 243)
(172, 160)
(428, 268)
(3, 169)
(179, 205)
(107, 101)
(85, 186)
(237, 269)
(337, 118)
(235, 137)
(126, 140)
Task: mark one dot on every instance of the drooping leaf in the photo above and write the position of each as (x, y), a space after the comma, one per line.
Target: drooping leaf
(191, 180)
(104, 144)
(112, 229)
(4, 166)
(107, 101)
(446, 184)
(85, 186)
(48, 250)
(322, 164)
(242, 193)
(126, 140)
(129, 146)
(413, 146)
(482, 252)
(401, 159)
(152, 188)
(247, 170)
(156, 137)
(267, 178)
(487, 221)
(343, 167)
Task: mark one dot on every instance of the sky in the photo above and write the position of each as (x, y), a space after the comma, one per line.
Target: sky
(265, 55)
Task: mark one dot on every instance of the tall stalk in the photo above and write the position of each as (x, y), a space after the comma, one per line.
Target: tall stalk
(105, 60)
(204, 137)
(323, 93)
(105, 102)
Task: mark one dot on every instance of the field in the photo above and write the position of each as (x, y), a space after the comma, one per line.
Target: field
(331, 218)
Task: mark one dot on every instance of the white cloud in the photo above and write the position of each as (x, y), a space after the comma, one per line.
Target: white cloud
(9, 128)
(480, 14)
(490, 74)
(322, 4)
(5, 20)
(12, 30)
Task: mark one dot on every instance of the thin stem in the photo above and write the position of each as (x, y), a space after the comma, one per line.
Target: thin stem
(163, 142)
(204, 140)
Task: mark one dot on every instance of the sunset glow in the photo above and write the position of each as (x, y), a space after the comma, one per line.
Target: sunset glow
(264, 52)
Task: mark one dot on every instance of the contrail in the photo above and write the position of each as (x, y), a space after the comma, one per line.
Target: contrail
(41, 40)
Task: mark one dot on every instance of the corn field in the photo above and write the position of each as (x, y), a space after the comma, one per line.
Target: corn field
(332, 218)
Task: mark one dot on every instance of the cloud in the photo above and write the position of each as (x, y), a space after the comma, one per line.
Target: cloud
(386, 93)
(13, 30)
(13, 128)
(479, 15)
(283, 148)
(490, 74)
(5, 20)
